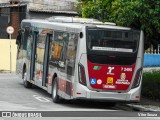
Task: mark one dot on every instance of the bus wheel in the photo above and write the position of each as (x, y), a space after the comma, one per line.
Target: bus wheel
(25, 82)
(55, 96)
(111, 104)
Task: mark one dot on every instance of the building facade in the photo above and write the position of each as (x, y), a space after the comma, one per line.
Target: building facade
(12, 12)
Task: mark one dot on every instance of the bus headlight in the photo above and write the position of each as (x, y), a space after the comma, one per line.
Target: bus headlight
(81, 74)
(137, 79)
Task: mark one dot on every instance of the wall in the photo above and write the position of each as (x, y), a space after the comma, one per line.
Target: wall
(151, 60)
(5, 54)
(3, 26)
(4, 1)
(57, 5)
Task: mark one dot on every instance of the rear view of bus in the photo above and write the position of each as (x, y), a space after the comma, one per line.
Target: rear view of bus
(110, 64)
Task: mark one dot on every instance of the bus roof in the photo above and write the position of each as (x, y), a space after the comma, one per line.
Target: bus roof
(71, 22)
(64, 19)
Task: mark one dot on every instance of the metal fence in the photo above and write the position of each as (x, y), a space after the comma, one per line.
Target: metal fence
(152, 50)
(152, 57)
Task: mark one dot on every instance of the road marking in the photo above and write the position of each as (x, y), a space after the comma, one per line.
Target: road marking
(41, 99)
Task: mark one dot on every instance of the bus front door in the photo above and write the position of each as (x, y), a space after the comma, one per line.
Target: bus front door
(33, 56)
(46, 61)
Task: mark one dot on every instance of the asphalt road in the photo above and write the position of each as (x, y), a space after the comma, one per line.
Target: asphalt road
(14, 97)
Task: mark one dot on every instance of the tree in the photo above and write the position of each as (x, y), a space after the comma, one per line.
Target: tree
(138, 14)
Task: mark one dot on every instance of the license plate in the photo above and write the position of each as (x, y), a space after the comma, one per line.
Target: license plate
(109, 86)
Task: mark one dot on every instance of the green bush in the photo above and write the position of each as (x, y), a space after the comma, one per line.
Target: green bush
(151, 85)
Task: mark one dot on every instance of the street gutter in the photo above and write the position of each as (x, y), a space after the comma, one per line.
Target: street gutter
(144, 108)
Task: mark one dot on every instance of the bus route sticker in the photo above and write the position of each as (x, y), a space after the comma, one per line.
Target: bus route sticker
(123, 80)
(92, 81)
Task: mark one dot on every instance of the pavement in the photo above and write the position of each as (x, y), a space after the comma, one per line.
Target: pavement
(146, 105)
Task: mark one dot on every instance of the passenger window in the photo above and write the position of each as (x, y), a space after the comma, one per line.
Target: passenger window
(58, 49)
(71, 53)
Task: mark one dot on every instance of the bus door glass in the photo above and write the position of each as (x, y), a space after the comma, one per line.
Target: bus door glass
(46, 59)
(26, 52)
(33, 53)
(40, 50)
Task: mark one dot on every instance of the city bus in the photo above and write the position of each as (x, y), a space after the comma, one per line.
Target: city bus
(78, 58)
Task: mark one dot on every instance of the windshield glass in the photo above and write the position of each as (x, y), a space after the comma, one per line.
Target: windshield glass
(112, 40)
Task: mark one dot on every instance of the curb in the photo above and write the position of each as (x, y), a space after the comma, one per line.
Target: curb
(150, 69)
(147, 108)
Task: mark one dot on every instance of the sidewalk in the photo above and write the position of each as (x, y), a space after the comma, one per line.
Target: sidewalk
(146, 105)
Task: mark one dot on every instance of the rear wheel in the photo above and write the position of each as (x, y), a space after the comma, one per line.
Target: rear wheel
(25, 82)
(55, 96)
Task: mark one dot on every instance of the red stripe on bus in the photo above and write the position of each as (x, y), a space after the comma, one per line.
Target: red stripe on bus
(110, 77)
(65, 86)
(61, 85)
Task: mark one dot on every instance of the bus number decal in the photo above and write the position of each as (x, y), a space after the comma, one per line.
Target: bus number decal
(126, 69)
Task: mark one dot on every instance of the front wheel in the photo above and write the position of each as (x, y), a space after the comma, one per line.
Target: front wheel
(55, 96)
(25, 82)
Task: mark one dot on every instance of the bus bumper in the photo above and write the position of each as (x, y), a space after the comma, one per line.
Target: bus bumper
(131, 96)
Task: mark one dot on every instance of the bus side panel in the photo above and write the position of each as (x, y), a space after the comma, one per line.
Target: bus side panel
(62, 62)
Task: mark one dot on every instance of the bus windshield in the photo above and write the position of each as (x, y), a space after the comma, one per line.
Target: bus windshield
(112, 40)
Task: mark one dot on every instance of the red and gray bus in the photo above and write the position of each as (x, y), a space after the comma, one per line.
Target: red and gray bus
(77, 58)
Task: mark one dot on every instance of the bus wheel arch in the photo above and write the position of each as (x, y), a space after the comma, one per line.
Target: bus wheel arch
(54, 76)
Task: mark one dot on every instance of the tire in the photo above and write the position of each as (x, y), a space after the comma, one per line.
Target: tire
(25, 82)
(55, 96)
(111, 104)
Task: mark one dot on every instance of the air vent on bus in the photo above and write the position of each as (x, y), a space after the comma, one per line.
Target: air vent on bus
(77, 20)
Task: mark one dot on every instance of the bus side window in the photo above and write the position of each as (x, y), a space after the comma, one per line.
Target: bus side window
(58, 49)
(71, 53)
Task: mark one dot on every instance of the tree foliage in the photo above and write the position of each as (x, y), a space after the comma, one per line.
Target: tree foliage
(138, 14)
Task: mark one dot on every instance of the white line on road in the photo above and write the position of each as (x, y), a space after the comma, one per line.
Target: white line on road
(41, 99)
